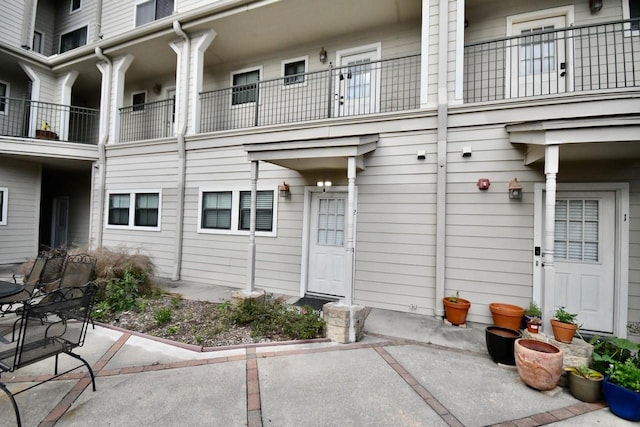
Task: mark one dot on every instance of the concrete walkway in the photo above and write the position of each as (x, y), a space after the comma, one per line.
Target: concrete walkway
(409, 370)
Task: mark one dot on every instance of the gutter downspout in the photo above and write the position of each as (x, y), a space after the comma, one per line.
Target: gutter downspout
(102, 154)
(441, 186)
(180, 133)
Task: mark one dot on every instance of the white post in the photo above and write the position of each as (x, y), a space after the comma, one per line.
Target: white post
(251, 277)
(351, 211)
(551, 161)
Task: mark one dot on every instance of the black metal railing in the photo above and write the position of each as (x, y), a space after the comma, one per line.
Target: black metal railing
(24, 118)
(574, 59)
(151, 120)
(359, 89)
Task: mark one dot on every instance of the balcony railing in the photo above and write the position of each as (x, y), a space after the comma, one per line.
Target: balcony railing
(574, 59)
(151, 120)
(24, 118)
(353, 90)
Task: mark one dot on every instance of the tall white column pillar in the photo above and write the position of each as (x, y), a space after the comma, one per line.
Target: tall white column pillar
(351, 210)
(251, 276)
(551, 161)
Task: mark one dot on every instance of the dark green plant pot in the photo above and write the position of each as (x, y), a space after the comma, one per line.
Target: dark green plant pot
(585, 389)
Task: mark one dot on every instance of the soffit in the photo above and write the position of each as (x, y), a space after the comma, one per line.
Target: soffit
(313, 154)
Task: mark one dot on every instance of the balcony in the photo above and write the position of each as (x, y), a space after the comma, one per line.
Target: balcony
(356, 90)
(574, 59)
(151, 120)
(23, 118)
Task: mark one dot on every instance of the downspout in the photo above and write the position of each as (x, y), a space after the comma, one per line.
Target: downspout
(102, 155)
(180, 133)
(441, 186)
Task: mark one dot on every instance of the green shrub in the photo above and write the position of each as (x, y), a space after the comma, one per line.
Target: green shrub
(626, 375)
(610, 350)
(162, 315)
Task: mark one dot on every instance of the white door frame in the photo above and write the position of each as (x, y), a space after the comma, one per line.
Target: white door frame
(376, 50)
(621, 286)
(306, 223)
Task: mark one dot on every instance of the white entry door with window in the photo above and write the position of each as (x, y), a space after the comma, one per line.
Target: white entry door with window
(536, 63)
(327, 244)
(584, 257)
(357, 81)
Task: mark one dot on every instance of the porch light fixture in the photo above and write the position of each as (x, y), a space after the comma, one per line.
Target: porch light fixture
(323, 55)
(595, 5)
(515, 189)
(324, 185)
(284, 190)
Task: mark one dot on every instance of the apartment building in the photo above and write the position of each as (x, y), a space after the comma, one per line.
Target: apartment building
(387, 152)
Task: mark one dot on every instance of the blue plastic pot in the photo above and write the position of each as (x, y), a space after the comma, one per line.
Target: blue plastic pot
(623, 402)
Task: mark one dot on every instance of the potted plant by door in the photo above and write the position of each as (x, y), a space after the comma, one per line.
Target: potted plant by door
(456, 309)
(564, 325)
(621, 389)
(532, 311)
(585, 383)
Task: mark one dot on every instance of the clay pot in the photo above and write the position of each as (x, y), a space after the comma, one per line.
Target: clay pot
(539, 363)
(585, 389)
(506, 315)
(563, 332)
(500, 344)
(534, 328)
(456, 312)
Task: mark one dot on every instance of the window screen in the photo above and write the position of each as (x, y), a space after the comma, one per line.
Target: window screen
(118, 209)
(151, 10)
(147, 206)
(296, 70)
(245, 87)
(576, 230)
(216, 210)
(264, 210)
(73, 39)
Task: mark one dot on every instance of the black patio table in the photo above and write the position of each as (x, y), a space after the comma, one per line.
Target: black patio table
(8, 289)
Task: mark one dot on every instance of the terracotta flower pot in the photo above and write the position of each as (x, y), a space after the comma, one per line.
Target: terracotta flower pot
(563, 332)
(500, 344)
(534, 328)
(506, 315)
(456, 311)
(539, 364)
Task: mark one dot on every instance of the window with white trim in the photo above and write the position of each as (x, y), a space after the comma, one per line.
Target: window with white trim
(293, 70)
(138, 210)
(4, 198)
(245, 87)
(631, 10)
(73, 39)
(4, 94)
(152, 10)
(138, 99)
(38, 41)
(229, 212)
(75, 5)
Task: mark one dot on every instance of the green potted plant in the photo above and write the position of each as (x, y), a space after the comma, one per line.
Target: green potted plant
(533, 310)
(456, 309)
(621, 389)
(533, 324)
(564, 325)
(585, 383)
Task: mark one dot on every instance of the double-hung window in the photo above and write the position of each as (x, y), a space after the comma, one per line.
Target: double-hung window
(293, 70)
(73, 39)
(149, 11)
(4, 94)
(75, 5)
(229, 212)
(134, 210)
(245, 87)
(138, 99)
(4, 197)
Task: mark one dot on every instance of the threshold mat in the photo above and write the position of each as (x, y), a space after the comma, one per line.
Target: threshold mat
(315, 302)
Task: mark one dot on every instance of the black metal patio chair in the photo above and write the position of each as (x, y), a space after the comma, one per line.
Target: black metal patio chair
(47, 329)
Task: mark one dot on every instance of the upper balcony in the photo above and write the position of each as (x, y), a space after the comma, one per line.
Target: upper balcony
(23, 118)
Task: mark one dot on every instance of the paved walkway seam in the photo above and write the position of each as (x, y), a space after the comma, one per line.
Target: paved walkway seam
(254, 405)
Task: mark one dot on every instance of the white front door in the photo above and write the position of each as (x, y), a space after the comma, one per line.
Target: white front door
(357, 82)
(537, 64)
(584, 257)
(327, 244)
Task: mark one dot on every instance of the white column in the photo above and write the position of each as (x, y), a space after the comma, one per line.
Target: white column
(551, 161)
(120, 67)
(200, 43)
(251, 276)
(351, 212)
(424, 52)
(65, 99)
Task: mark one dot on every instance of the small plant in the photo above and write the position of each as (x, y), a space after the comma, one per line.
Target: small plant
(172, 330)
(454, 298)
(564, 316)
(535, 320)
(610, 350)
(585, 372)
(176, 299)
(162, 315)
(626, 375)
(533, 310)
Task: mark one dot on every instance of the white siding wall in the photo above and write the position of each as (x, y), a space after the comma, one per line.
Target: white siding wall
(67, 21)
(11, 22)
(634, 248)
(151, 167)
(117, 17)
(45, 24)
(19, 238)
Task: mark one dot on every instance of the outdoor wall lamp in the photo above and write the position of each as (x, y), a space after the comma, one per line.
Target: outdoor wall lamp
(324, 185)
(515, 189)
(284, 190)
(595, 5)
(323, 55)
(483, 183)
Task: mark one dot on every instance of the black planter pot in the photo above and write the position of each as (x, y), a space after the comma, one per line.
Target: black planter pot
(500, 344)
